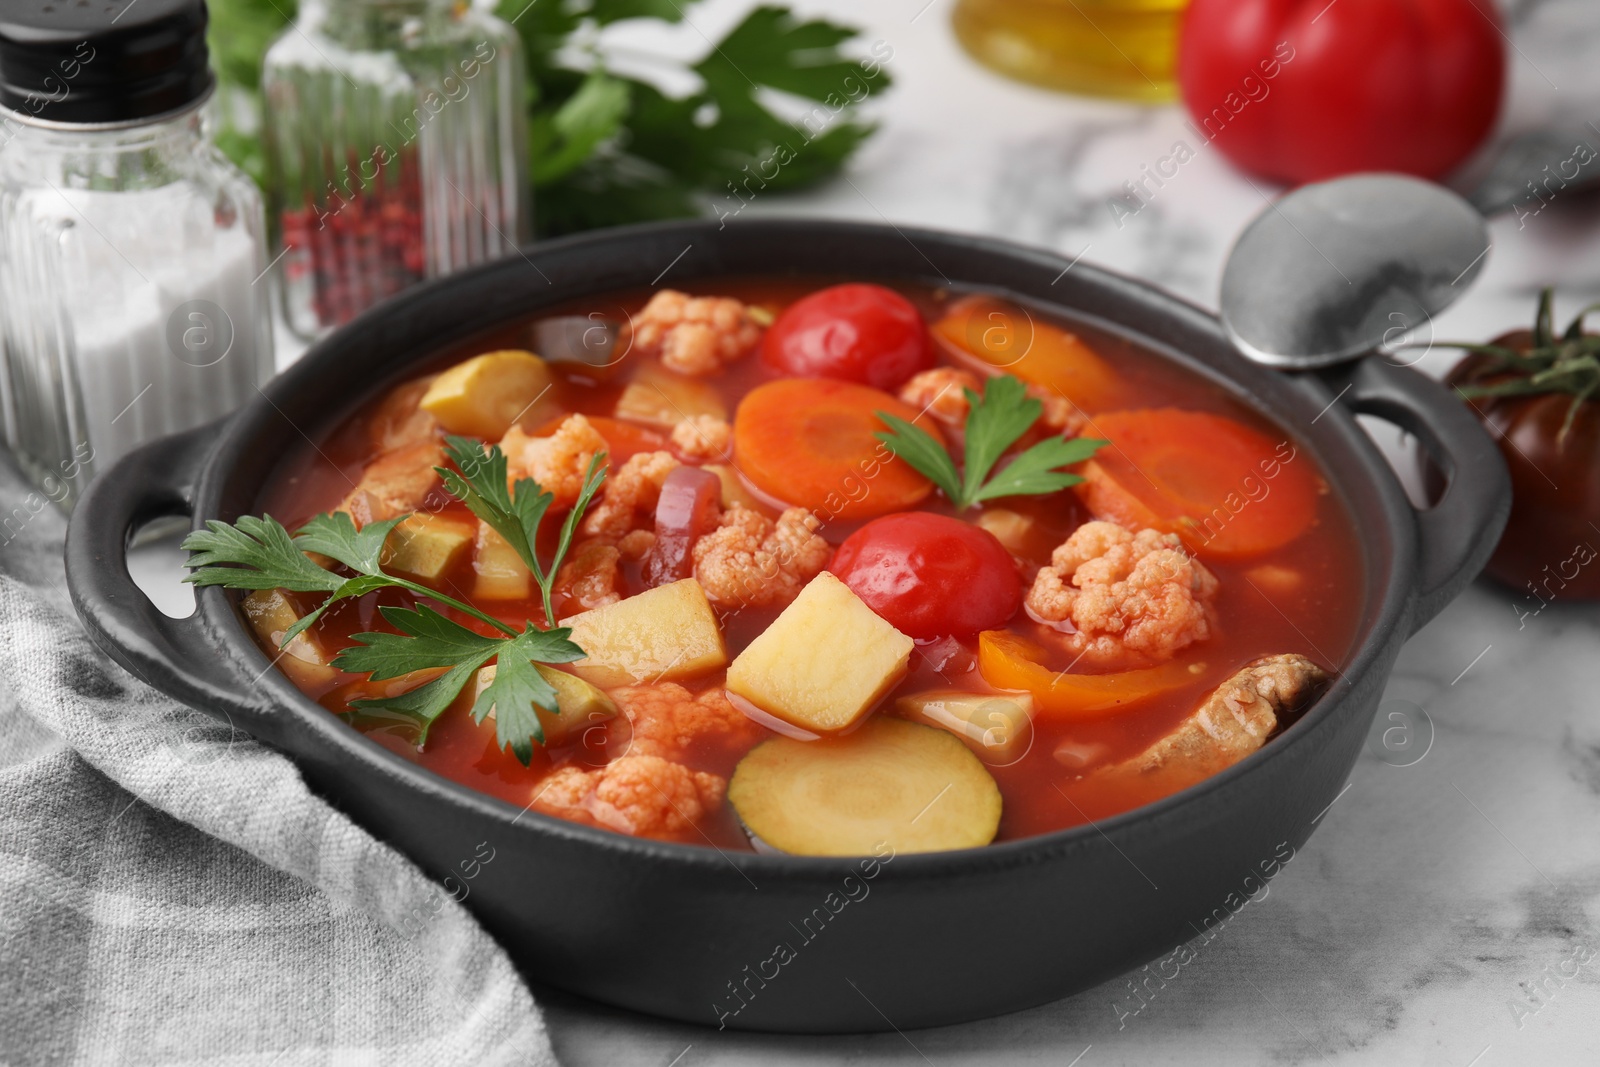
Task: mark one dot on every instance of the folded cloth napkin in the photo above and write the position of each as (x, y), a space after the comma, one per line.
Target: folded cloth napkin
(171, 892)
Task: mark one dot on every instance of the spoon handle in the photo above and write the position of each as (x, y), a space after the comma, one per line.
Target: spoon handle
(1537, 168)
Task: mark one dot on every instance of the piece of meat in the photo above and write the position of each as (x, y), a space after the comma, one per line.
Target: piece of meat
(1120, 598)
(628, 501)
(939, 392)
(666, 720)
(1232, 722)
(395, 483)
(751, 561)
(558, 462)
(701, 438)
(645, 796)
(588, 579)
(696, 335)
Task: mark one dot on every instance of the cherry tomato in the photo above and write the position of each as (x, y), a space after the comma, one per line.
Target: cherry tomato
(929, 575)
(1303, 90)
(856, 333)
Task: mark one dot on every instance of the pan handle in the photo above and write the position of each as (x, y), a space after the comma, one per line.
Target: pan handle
(1455, 536)
(180, 657)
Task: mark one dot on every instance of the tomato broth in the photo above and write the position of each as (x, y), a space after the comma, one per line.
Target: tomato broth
(1303, 596)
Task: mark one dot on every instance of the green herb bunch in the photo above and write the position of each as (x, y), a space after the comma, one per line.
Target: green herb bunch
(996, 420)
(607, 148)
(259, 553)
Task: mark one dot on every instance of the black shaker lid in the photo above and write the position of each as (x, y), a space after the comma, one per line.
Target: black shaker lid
(94, 61)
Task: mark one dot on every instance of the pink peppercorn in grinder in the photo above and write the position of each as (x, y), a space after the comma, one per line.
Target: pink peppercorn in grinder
(396, 148)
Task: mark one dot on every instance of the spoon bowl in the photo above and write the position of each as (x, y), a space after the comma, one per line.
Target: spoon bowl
(1337, 270)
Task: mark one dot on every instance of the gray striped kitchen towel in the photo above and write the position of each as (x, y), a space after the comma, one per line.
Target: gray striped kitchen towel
(172, 893)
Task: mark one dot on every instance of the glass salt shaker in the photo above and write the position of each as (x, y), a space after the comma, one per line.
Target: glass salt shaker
(130, 248)
(396, 142)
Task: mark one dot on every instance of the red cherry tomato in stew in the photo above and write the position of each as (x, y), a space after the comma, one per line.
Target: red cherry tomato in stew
(856, 333)
(929, 575)
(1303, 90)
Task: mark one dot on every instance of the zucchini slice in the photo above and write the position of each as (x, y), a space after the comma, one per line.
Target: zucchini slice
(914, 787)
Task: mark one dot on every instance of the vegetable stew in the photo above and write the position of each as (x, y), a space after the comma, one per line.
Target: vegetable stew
(803, 567)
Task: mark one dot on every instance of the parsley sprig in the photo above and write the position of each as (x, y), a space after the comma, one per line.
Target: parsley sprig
(259, 553)
(995, 421)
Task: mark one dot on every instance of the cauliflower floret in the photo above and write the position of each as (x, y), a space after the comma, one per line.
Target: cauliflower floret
(695, 334)
(645, 796)
(558, 462)
(395, 483)
(630, 490)
(749, 560)
(699, 438)
(589, 576)
(939, 392)
(1122, 597)
(666, 719)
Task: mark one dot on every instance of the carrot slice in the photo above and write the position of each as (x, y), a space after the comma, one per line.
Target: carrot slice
(1006, 337)
(809, 441)
(1009, 661)
(1227, 490)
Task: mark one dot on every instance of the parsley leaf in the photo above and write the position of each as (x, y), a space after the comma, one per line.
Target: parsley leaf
(258, 553)
(1037, 472)
(996, 420)
(253, 553)
(518, 689)
(515, 514)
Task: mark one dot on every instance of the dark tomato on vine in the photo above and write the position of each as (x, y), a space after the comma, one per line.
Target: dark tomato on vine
(929, 575)
(1551, 444)
(855, 333)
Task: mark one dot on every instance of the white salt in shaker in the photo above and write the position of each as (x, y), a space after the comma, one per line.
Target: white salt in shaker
(132, 302)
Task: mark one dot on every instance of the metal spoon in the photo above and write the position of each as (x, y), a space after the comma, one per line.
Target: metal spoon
(1340, 269)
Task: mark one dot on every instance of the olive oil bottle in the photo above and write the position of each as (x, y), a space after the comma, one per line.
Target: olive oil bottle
(1117, 48)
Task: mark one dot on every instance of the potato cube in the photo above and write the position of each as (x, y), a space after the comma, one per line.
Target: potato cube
(1011, 529)
(426, 546)
(824, 662)
(501, 574)
(305, 661)
(660, 635)
(484, 395)
(997, 726)
(580, 705)
(658, 397)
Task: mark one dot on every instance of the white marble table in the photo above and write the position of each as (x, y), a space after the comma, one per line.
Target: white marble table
(1434, 896)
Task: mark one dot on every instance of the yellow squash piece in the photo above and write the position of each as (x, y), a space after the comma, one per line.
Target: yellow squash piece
(579, 704)
(912, 787)
(824, 662)
(500, 572)
(426, 546)
(997, 726)
(733, 490)
(305, 660)
(484, 395)
(660, 635)
(658, 397)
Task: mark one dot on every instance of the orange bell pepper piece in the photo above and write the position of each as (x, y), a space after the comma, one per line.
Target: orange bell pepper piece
(1008, 661)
